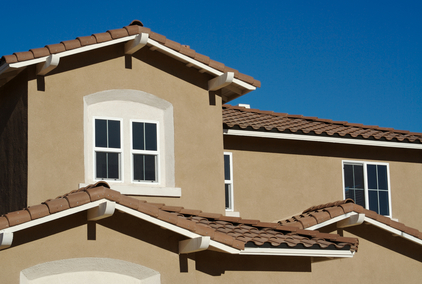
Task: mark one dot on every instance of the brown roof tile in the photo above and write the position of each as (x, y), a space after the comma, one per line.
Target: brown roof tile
(232, 231)
(56, 48)
(118, 33)
(102, 37)
(87, 40)
(26, 55)
(243, 118)
(71, 44)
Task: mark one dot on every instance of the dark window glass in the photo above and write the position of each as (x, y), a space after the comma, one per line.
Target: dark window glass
(100, 133)
(113, 134)
(227, 167)
(358, 176)
(372, 177)
(149, 167)
(353, 183)
(348, 177)
(384, 203)
(151, 136)
(373, 200)
(113, 165)
(227, 190)
(138, 136)
(138, 167)
(101, 162)
(144, 167)
(382, 177)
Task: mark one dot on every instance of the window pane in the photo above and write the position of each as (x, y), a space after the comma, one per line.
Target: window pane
(382, 177)
(138, 136)
(100, 133)
(227, 175)
(358, 176)
(113, 134)
(113, 165)
(360, 197)
(373, 200)
(372, 176)
(138, 167)
(101, 166)
(348, 176)
(150, 167)
(151, 136)
(384, 204)
(228, 195)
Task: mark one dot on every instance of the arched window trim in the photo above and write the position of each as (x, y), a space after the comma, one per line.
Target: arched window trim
(151, 108)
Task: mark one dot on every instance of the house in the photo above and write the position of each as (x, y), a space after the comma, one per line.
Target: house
(114, 151)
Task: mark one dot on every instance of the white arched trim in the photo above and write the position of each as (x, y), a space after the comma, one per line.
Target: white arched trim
(89, 270)
(127, 105)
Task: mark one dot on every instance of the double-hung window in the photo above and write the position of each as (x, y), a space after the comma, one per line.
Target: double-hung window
(368, 185)
(144, 151)
(108, 150)
(228, 181)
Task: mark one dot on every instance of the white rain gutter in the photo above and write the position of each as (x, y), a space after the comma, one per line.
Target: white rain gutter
(316, 138)
(155, 46)
(297, 252)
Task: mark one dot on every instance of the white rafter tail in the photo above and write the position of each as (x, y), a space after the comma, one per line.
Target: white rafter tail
(102, 211)
(50, 63)
(194, 245)
(6, 239)
(221, 81)
(353, 220)
(136, 44)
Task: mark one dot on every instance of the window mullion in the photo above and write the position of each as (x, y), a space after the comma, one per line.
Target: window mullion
(365, 184)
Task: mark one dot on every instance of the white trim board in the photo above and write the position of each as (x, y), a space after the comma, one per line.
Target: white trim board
(316, 138)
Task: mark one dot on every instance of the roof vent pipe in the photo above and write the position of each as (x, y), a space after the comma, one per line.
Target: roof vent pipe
(244, 105)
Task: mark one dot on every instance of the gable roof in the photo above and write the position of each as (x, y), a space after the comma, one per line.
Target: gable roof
(323, 215)
(228, 234)
(240, 118)
(243, 83)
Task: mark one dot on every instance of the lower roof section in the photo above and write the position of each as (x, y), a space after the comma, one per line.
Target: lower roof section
(203, 230)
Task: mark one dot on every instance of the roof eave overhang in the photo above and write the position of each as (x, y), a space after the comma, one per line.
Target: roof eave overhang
(101, 209)
(236, 89)
(342, 218)
(323, 139)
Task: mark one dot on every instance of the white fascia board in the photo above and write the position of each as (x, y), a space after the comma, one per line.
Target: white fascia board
(331, 221)
(411, 238)
(297, 252)
(71, 52)
(53, 216)
(315, 138)
(383, 226)
(192, 62)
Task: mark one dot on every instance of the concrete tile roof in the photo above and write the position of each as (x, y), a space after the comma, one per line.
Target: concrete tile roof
(257, 120)
(231, 231)
(134, 28)
(324, 212)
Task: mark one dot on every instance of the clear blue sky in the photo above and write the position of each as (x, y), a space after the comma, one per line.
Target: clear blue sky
(355, 61)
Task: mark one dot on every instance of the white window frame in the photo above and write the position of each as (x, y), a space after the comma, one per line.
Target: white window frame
(146, 152)
(365, 183)
(229, 182)
(113, 150)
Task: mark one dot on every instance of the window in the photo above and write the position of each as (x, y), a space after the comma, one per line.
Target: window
(368, 185)
(107, 149)
(144, 151)
(129, 142)
(228, 181)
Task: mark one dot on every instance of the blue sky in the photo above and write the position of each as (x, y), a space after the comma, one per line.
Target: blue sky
(355, 61)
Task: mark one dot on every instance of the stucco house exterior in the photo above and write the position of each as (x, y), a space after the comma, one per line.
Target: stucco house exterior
(121, 161)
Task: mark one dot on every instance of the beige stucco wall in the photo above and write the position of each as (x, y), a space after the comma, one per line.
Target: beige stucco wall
(55, 135)
(276, 179)
(123, 237)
